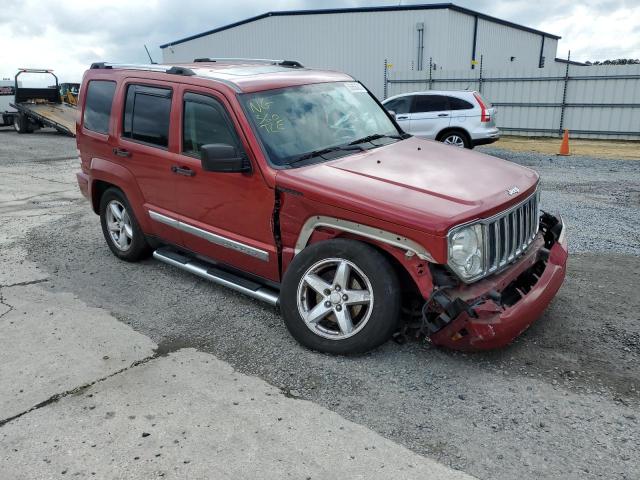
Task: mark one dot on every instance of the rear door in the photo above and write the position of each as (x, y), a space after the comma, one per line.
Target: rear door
(430, 114)
(464, 113)
(227, 216)
(143, 149)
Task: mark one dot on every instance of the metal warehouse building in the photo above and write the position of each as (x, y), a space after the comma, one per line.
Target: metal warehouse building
(359, 40)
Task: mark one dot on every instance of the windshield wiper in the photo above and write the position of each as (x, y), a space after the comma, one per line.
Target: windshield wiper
(324, 151)
(375, 136)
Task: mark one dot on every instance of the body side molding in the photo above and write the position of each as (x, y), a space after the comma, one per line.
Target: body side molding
(211, 237)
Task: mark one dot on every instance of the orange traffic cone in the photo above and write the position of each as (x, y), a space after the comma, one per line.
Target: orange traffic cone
(564, 147)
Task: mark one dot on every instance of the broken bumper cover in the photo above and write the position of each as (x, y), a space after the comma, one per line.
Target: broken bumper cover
(492, 312)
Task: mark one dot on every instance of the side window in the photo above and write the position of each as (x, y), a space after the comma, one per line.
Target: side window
(204, 121)
(97, 108)
(459, 104)
(430, 103)
(399, 105)
(146, 115)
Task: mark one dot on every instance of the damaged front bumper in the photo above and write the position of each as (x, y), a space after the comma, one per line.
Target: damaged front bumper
(492, 312)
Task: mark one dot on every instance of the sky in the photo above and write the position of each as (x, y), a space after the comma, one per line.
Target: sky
(69, 36)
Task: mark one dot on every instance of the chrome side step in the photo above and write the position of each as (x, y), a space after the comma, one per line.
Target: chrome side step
(216, 275)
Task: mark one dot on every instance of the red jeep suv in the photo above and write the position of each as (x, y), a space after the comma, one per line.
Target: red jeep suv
(296, 187)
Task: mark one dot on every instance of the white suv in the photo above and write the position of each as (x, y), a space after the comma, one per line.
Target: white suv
(457, 117)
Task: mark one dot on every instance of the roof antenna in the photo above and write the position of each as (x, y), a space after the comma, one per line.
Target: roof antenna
(150, 59)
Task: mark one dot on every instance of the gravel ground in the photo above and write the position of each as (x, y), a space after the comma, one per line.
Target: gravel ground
(562, 402)
(599, 199)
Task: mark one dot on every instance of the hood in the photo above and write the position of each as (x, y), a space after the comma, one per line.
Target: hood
(417, 183)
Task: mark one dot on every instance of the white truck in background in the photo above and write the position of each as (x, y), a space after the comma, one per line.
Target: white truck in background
(7, 92)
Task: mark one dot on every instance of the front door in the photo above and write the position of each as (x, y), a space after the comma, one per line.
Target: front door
(430, 114)
(225, 216)
(401, 107)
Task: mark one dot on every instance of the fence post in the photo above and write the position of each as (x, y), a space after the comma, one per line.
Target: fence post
(480, 77)
(564, 95)
(386, 70)
(430, 73)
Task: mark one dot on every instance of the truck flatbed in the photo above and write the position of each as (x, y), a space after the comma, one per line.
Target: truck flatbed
(60, 116)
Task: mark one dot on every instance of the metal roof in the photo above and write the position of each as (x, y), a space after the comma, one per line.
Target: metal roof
(393, 8)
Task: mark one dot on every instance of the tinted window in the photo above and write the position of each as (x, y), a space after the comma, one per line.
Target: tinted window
(97, 110)
(459, 104)
(399, 105)
(430, 103)
(204, 121)
(146, 115)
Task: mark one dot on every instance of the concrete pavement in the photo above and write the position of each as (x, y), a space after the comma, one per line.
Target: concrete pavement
(189, 415)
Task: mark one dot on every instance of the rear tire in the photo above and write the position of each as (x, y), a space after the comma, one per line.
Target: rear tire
(120, 227)
(340, 296)
(456, 138)
(21, 124)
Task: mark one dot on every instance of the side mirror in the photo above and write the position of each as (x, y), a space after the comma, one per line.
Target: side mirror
(392, 113)
(220, 157)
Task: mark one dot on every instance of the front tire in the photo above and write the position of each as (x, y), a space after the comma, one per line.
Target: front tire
(340, 296)
(120, 227)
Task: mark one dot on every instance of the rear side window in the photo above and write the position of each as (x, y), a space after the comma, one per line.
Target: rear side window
(146, 115)
(97, 108)
(205, 121)
(430, 103)
(459, 104)
(399, 105)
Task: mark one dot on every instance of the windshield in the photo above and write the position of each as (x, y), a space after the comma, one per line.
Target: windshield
(307, 122)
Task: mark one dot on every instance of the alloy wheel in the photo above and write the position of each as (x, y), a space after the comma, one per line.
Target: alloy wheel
(455, 140)
(119, 225)
(335, 298)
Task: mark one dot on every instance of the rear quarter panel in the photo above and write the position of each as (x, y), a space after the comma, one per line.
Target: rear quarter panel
(96, 157)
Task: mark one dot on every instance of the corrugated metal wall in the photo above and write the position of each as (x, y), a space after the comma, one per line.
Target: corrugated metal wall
(359, 42)
(600, 102)
(499, 43)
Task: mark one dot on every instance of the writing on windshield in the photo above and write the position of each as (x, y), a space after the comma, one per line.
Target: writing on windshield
(266, 120)
(293, 122)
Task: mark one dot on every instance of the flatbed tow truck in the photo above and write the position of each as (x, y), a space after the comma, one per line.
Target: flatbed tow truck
(42, 107)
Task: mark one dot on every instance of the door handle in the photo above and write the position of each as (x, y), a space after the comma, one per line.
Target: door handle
(186, 171)
(443, 114)
(404, 117)
(121, 152)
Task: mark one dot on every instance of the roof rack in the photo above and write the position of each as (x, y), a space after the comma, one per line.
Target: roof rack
(148, 68)
(282, 63)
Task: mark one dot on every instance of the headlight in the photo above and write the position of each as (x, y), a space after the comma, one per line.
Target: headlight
(466, 256)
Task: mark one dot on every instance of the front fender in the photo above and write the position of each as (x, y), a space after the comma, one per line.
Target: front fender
(303, 222)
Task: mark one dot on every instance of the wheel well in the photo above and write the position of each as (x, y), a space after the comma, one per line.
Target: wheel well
(97, 190)
(407, 284)
(453, 129)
